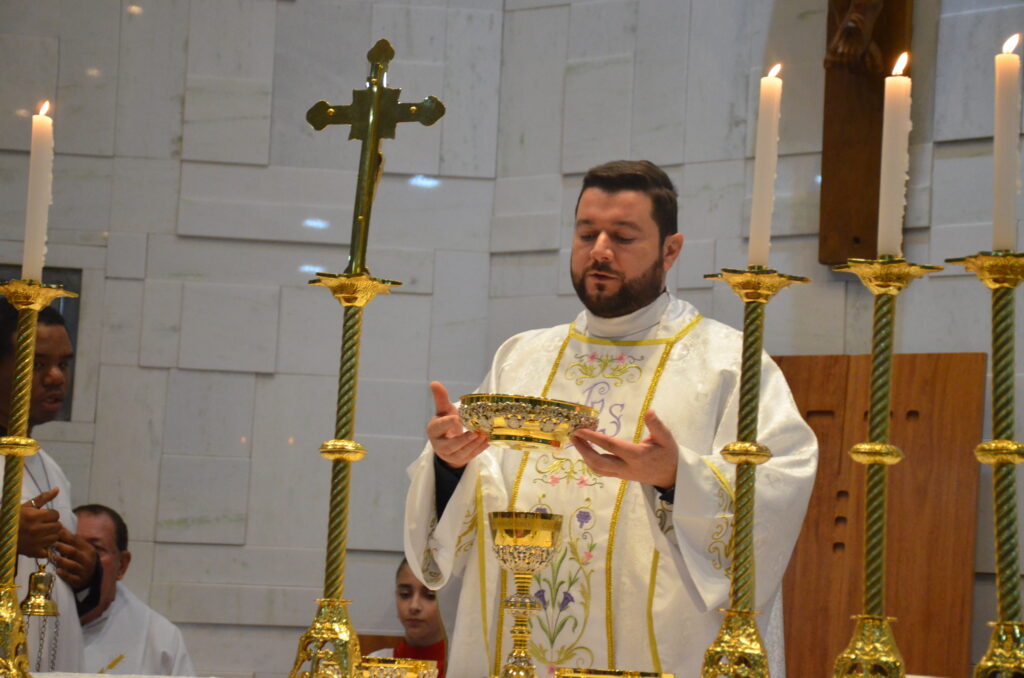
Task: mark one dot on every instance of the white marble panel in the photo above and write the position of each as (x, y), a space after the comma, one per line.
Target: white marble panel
(940, 315)
(512, 315)
(222, 649)
(126, 255)
(427, 213)
(246, 565)
(30, 77)
(416, 32)
(571, 189)
(694, 261)
(122, 322)
(598, 101)
(788, 32)
(228, 327)
(231, 38)
(293, 415)
(477, 4)
(517, 5)
(151, 78)
(126, 456)
(65, 432)
(962, 183)
(309, 331)
(161, 323)
(379, 486)
(319, 53)
(266, 203)
(233, 604)
(13, 189)
(525, 232)
(209, 413)
(965, 73)
(139, 575)
(472, 73)
(87, 78)
(458, 319)
(659, 81)
(924, 39)
(58, 255)
(797, 206)
(527, 213)
(87, 346)
(30, 17)
(801, 119)
(527, 274)
(267, 263)
(919, 186)
(395, 338)
(145, 195)
(529, 137)
(82, 188)
(75, 460)
(711, 199)
(528, 195)
(415, 149)
(380, 399)
(957, 241)
(227, 119)
(716, 85)
(602, 28)
(202, 500)
(563, 273)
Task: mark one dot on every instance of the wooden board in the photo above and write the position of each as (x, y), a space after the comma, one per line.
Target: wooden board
(937, 420)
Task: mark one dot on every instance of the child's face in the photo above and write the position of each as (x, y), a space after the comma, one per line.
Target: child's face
(417, 609)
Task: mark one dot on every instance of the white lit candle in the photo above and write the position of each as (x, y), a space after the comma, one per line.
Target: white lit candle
(892, 188)
(1005, 148)
(766, 156)
(40, 195)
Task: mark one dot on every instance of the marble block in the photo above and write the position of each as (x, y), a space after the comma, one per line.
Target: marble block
(806, 320)
(472, 74)
(659, 81)
(797, 209)
(233, 604)
(602, 28)
(227, 119)
(144, 197)
(528, 274)
(88, 346)
(528, 195)
(957, 240)
(126, 255)
(395, 338)
(30, 77)
(417, 32)
(139, 575)
(209, 413)
(202, 500)
(75, 460)
(803, 100)
(458, 318)
(962, 183)
(416, 149)
(532, 92)
(87, 76)
(380, 400)
(151, 78)
(30, 17)
(919, 186)
(231, 38)
(941, 315)
(122, 322)
(223, 649)
(161, 323)
(247, 565)
(598, 101)
(964, 73)
(379, 486)
(430, 213)
(711, 199)
(696, 259)
(82, 189)
(228, 327)
(129, 430)
(13, 189)
(309, 331)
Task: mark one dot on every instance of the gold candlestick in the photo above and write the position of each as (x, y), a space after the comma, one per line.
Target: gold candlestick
(28, 297)
(330, 647)
(1001, 272)
(872, 649)
(738, 650)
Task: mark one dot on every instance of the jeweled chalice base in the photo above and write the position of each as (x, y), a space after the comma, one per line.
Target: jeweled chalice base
(524, 422)
(604, 673)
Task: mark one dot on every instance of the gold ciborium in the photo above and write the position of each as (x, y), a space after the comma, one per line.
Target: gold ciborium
(524, 542)
(524, 422)
(608, 673)
(389, 667)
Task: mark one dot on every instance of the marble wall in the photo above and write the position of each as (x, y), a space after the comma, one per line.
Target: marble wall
(197, 202)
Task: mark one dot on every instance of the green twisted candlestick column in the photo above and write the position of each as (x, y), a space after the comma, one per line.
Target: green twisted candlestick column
(738, 650)
(1002, 272)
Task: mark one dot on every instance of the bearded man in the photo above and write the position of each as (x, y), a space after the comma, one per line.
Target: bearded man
(646, 499)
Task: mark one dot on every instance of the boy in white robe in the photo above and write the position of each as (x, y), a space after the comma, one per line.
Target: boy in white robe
(646, 499)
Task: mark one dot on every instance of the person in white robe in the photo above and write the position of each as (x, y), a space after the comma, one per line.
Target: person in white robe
(642, 570)
(122, 634)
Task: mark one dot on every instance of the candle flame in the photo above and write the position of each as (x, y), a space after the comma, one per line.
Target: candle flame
(1011, 43)
(901, 63)
(775, 70)
(44, 108)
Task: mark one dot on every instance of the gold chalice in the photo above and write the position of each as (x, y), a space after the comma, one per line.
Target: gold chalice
(608, 673)
(388, 667)
(524, 542)
(524, 422)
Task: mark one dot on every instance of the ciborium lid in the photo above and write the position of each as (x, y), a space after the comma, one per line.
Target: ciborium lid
(524, 422)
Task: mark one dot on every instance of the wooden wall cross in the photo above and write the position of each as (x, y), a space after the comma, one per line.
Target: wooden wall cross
(865, 37)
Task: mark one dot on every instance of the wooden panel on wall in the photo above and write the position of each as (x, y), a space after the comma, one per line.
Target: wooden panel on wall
(937, 411)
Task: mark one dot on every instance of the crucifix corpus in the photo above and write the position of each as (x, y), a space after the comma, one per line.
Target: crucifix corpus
(330, 647)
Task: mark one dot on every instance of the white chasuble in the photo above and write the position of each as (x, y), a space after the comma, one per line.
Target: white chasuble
(637, 582)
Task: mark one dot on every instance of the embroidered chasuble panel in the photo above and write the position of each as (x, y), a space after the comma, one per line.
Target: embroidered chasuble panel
(937, 420)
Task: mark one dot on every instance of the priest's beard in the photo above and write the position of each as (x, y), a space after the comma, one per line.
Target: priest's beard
(633, 293)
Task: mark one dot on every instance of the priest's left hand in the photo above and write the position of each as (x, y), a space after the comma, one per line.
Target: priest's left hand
(652, 461)
(75, 559)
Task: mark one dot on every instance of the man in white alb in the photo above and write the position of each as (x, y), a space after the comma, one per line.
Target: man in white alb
(646, 500)
(122, 634)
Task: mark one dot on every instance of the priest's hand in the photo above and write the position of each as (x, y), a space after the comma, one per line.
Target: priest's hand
(75, 559)
(452, 443)
(38, 528)
(652, 462)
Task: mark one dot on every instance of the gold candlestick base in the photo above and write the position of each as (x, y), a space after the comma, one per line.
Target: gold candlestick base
(738, 651)
(354, 290)
(889, 275)
(872, 651)
(330, 646)
(997, 270)
(1005, 654)
(756, 283)
(14, 663)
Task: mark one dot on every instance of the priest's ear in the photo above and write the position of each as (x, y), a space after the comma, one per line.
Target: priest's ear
(122, 564)
(670, 249)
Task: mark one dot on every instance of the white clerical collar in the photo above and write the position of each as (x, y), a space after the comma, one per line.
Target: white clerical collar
(633, 323)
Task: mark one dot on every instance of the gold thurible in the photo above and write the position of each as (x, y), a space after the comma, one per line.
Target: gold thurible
(1001, 272)
(872, 649)
(738, 651)
(330, 647)
(28, 297)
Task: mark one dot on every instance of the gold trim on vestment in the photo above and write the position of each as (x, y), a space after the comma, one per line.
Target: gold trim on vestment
(720, 477)
(652, 638)
(481, 538)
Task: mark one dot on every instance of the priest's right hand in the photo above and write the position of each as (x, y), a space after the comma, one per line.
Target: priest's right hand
(453, 444)
(38, 528)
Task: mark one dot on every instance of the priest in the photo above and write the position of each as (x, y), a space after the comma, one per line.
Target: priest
(643, 566)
